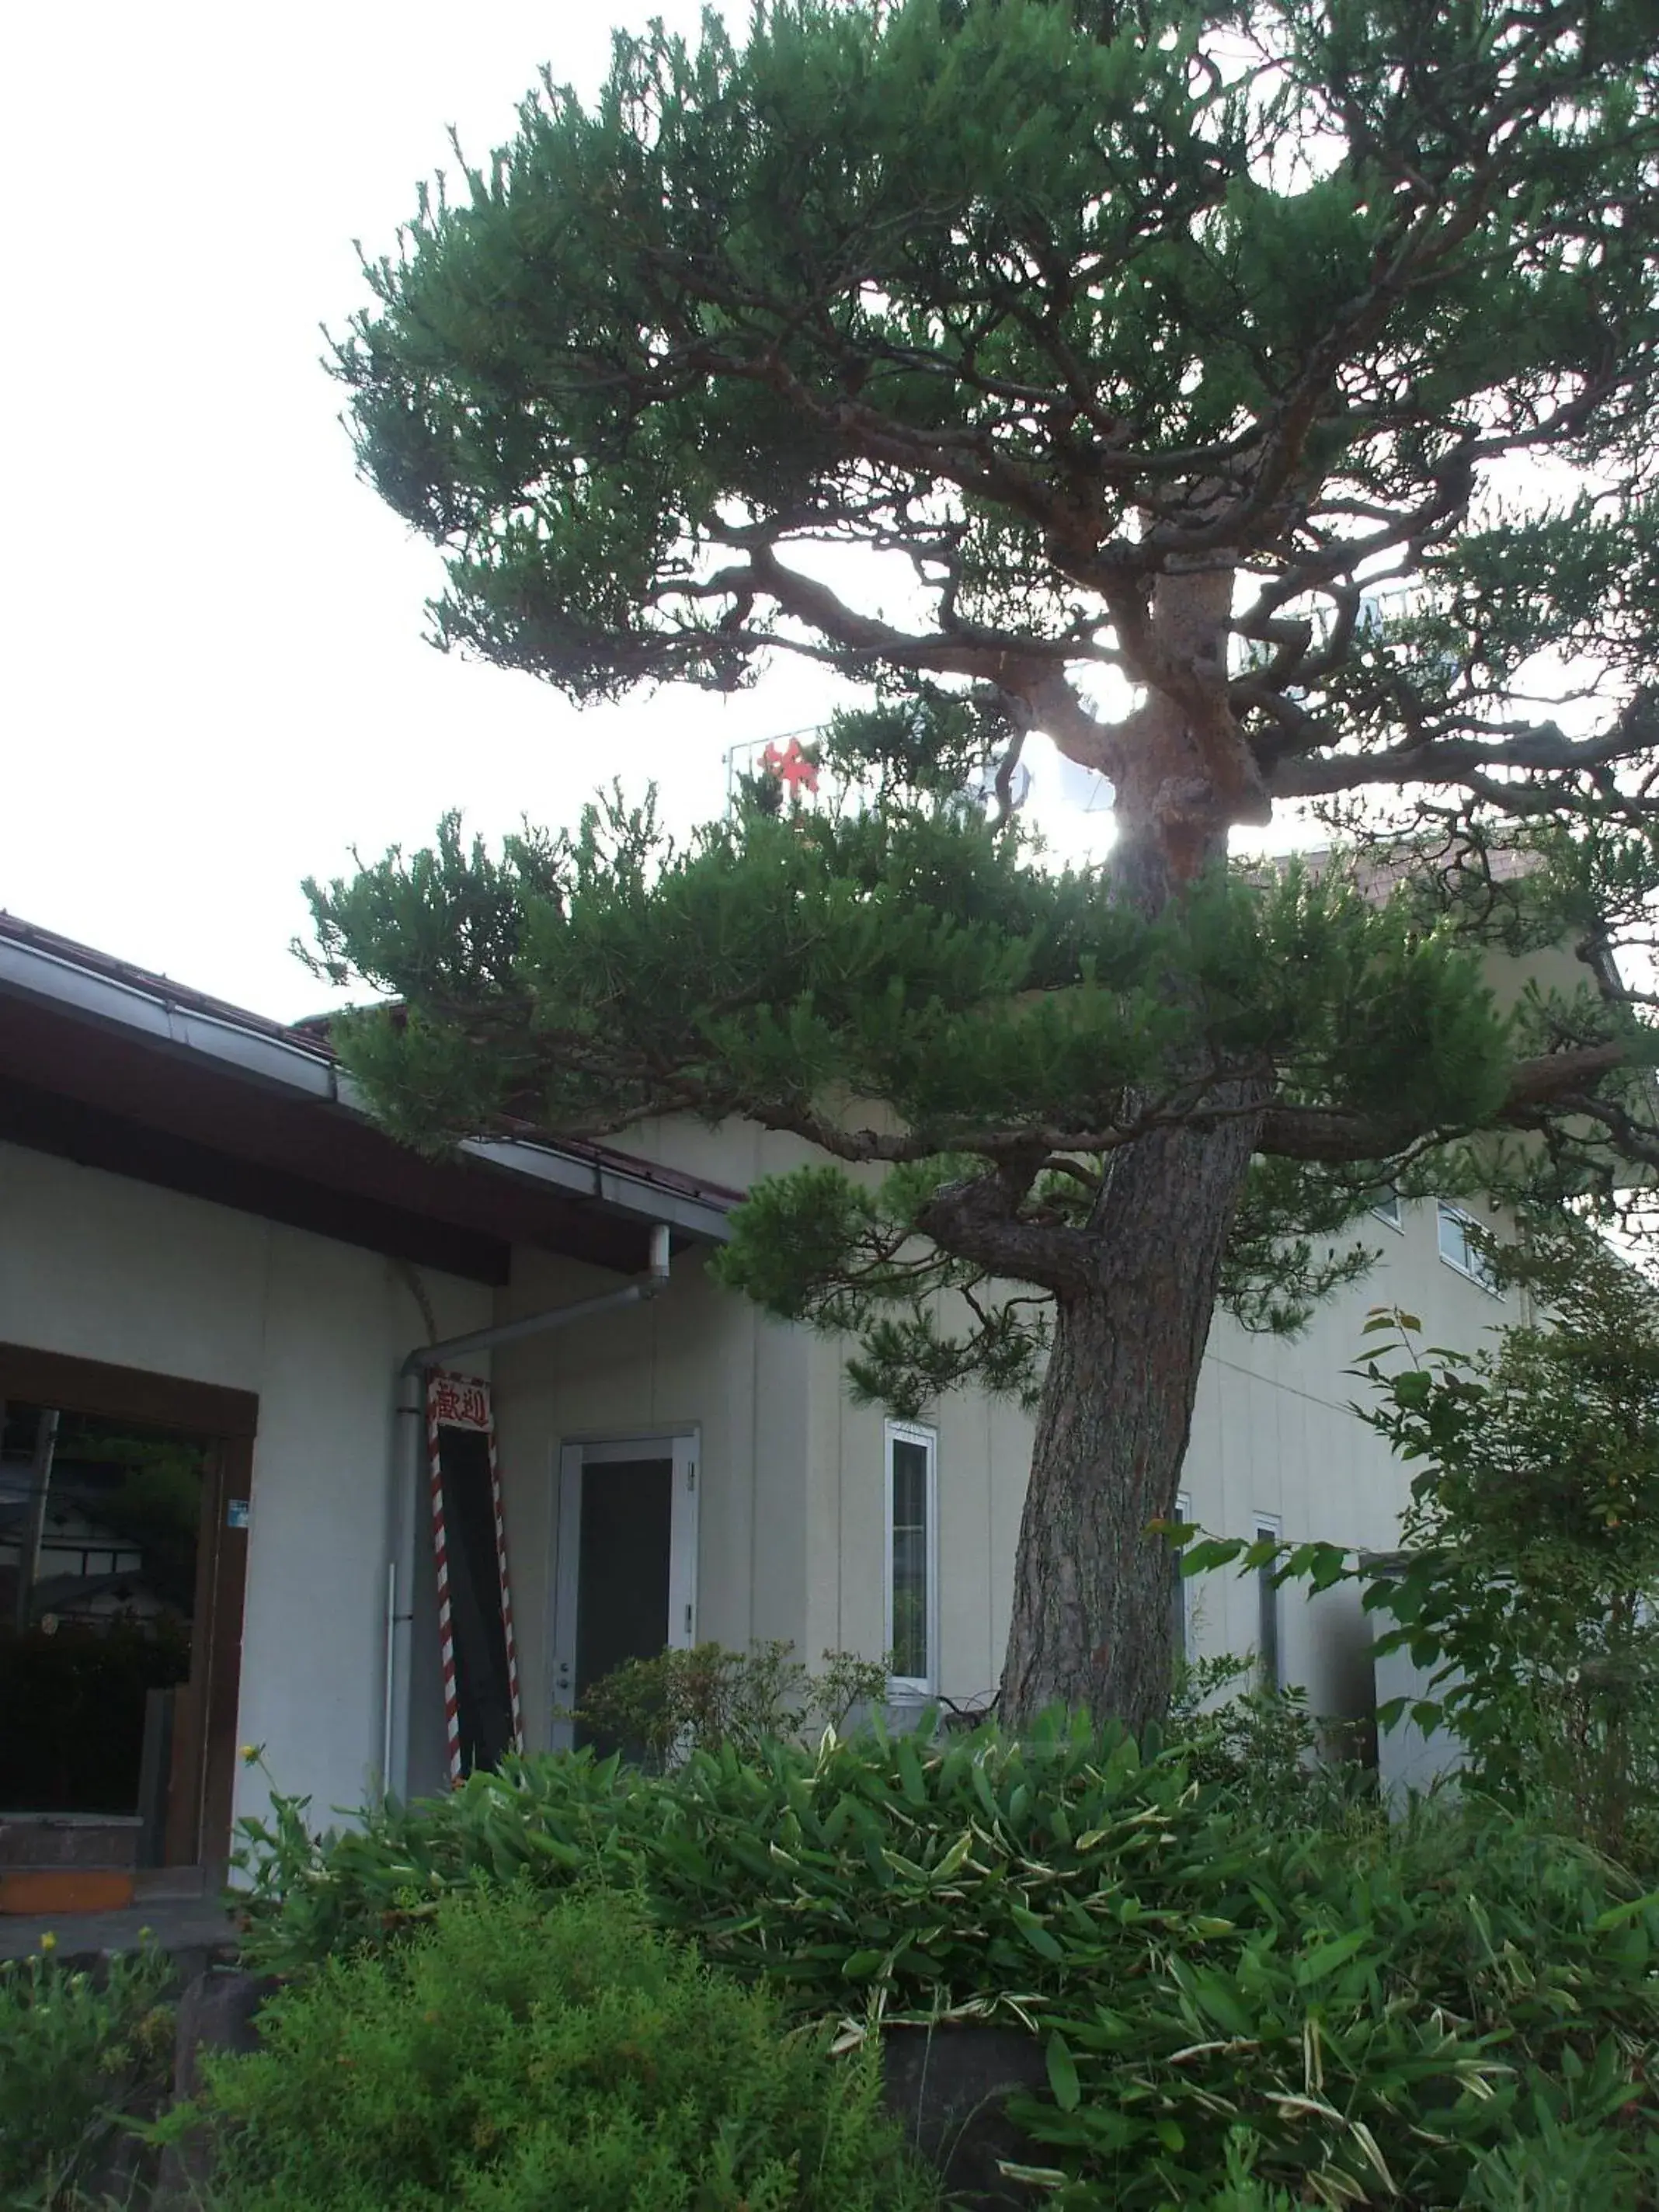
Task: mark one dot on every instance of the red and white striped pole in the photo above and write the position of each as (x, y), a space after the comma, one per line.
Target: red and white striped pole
(507, 1591)
(462, 1401)
(441, 1549)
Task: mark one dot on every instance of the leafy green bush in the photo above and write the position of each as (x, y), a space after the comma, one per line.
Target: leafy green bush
(1271, 1753)
(1380, 2009)
(529, 2053)
(700, 1699)
(77, 2054)
(1527, 1591)
(1240, 2192)
(1532, 1582)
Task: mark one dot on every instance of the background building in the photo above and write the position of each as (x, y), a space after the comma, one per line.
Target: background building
(204, 1242)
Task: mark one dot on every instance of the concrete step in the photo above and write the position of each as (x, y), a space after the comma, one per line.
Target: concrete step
(38, 1841)
(175, 1885)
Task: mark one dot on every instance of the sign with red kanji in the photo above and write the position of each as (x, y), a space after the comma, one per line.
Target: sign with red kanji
(459, 1402)
(791, 767)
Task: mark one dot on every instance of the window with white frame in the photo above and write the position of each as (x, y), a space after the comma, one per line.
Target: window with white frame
(912, 1558)
(1458, 1250)
(1386, 1207)
(1180, 1616)
(1269, 1656)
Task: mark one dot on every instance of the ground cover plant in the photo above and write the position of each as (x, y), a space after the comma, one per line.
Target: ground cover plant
(80, 2054)
(1387, 2015)
(530, 2053)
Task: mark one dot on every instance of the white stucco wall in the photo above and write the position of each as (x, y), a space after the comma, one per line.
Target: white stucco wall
(103, 1268)
(1409, 1763)
(696, 1361)
(1274, 1434)
(791, 1478)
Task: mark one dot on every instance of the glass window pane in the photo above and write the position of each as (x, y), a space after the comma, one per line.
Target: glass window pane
(910, 1549)
(100, 1536)
(1457, 1250)
(1454, 1238)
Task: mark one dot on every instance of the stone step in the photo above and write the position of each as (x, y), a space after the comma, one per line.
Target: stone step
(91, 1841)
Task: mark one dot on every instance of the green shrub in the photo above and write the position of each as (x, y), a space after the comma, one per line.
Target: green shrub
(1380, 2008)
(77, 2055)
(1557, 2168)
(529, 2053)
(1528, 1589)
(1240, 2192)
(1273, 1755)
(1533, 1538)
(708, 1696)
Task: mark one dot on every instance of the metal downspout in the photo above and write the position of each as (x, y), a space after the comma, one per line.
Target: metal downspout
(408, 1479)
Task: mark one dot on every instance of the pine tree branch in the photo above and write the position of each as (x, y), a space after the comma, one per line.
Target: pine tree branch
(1029, 672)
(1549, 1083)
(1634, 1140)
(979, 1220)
(1556, 1079)
(986, 657)
(1545, 748)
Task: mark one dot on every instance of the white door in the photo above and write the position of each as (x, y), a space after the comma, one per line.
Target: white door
(625, 1572)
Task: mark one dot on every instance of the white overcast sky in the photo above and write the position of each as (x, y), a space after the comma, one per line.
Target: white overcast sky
(213, 680)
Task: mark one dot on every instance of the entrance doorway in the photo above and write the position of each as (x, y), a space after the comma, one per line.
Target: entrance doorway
(124, 1510)
(625, 1578)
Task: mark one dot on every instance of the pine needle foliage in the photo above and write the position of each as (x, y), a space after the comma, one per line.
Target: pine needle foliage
(914, 990)
(1256, 397)
(1044, 308)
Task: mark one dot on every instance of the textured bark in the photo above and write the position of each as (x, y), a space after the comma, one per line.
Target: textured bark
(1090, 1626)
(1091, 1620)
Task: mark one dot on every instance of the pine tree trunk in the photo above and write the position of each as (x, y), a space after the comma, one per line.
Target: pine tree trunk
(1093, 1613)
(1093, 1616)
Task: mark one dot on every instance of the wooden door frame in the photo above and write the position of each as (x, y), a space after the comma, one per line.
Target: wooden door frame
(204, 1763)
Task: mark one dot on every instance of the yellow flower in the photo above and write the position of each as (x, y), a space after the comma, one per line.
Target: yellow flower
(48, 1942)
(250, 1753)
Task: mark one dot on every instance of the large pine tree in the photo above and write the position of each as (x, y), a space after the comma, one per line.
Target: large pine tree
(1259, 399)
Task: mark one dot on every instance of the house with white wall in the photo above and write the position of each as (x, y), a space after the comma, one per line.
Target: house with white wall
(202, 1235)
